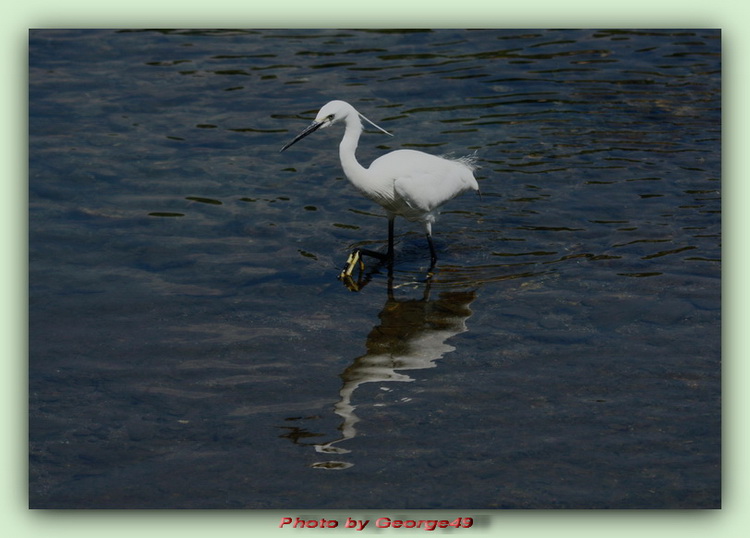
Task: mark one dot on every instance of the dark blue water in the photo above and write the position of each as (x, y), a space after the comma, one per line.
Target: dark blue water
(192, 347)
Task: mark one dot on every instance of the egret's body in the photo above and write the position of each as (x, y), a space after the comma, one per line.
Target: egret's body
(406, 183)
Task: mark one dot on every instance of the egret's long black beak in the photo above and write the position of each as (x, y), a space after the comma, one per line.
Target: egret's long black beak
(311, 129)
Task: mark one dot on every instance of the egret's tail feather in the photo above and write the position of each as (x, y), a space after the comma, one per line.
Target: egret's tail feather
(470, 160)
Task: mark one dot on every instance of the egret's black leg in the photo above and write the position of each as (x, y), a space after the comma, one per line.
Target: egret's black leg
(372, 254)
(355, 258)
(390, 238)
(433, 254)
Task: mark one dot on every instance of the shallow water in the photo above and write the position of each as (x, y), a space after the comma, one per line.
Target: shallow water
(192, 347)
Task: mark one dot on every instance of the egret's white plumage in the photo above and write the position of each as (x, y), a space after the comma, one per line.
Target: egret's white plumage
(405, 182)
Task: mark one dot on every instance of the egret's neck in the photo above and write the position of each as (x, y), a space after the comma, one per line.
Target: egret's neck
(354, 171)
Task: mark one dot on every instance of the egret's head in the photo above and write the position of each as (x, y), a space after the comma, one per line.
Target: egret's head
(332, 112)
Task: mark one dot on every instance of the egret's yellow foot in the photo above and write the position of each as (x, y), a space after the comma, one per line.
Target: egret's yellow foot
(351, 262)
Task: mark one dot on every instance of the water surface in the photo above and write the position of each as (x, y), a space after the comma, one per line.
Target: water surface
(191, 346)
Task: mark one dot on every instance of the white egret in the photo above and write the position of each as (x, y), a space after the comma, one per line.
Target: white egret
(405, 182)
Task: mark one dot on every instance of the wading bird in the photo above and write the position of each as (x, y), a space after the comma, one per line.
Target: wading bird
(405, 182)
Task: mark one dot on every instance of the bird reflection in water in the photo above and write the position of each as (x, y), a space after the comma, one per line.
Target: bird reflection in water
(412, 335)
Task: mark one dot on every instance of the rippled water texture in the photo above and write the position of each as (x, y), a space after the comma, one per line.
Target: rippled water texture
(192, 347)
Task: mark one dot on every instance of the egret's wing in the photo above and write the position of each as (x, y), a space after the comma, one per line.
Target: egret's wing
(420, 181)
(428, 190)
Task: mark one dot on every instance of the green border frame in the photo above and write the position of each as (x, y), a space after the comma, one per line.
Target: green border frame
(728, 15)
